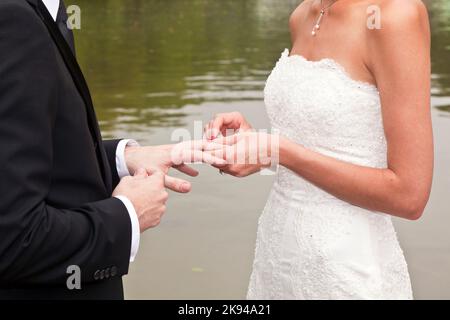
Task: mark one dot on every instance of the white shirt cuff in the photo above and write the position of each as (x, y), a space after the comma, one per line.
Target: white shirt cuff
(122, 168)
(135, 229)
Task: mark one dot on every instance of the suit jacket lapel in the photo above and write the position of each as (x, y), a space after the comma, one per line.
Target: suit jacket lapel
(80, 83)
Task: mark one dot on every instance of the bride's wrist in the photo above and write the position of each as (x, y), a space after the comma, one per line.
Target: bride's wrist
(282, 150)
(286, 149)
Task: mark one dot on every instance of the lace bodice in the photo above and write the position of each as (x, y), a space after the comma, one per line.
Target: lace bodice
(318, 105)
(310, 244)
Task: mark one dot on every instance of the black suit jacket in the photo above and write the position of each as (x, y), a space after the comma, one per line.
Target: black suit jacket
(56, 174)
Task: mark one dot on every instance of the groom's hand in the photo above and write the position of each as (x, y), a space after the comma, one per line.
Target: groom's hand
(163, 158)
(148, 195)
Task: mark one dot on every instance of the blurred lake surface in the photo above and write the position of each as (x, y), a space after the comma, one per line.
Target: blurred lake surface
(157, 65)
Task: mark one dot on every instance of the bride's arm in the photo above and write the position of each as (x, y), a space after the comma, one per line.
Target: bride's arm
(399, 58)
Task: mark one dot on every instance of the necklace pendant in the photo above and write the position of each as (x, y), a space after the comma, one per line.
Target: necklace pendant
(317, 25)
(321, 15)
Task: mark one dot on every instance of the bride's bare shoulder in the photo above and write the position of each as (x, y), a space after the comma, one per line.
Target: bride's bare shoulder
(402, 12)
(405, 18)
(403, 34)
(399, 4)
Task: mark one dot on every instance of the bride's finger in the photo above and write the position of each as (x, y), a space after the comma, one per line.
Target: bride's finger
(187, 170)
(211, 133)
(177, 185)
(206, 131)
(216, 127)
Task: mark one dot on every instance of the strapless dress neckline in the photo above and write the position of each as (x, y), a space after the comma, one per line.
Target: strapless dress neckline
(332, 64)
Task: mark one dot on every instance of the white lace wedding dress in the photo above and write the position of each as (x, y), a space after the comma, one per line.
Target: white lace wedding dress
(310, 244)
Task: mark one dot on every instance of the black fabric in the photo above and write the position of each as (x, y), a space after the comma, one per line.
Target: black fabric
(61, 21)
(105, 290)
(56, 208)
(80, 82)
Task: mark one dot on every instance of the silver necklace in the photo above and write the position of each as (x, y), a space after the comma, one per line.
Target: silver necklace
(321, 15)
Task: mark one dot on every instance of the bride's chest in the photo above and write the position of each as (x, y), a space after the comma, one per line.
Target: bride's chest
(319, 97)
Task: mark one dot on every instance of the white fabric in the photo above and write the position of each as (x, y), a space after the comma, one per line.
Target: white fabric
(52, 7)
(310, 244)
(135, 228)
(122, 169)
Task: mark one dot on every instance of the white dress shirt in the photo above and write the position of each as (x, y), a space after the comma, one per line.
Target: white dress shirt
(52, 7)
(122, 169)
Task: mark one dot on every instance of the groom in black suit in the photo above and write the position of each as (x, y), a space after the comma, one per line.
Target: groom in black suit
(63, 206)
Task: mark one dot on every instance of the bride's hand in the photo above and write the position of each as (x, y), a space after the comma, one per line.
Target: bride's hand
(226, 121)
(247, 153)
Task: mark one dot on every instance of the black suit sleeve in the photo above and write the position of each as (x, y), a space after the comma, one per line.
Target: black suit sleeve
(111, 147)
(38, 241)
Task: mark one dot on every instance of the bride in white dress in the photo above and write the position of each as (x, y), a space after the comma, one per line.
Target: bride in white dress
(352, 108)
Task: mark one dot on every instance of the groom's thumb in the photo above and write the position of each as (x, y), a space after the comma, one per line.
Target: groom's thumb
(158, 177)
(141, 172)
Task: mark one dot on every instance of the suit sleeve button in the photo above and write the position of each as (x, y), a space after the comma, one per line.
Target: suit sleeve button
(107, 273)
(113, 271)
(97, 275)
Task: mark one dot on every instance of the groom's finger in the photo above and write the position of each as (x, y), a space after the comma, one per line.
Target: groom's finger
(195, 145)
(196, 156)
(187, 170)
(229, 140)
(212, 146)
(226, 152)
(177, 185)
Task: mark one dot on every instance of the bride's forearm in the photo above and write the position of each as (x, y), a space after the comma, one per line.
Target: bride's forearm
(371, 188)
